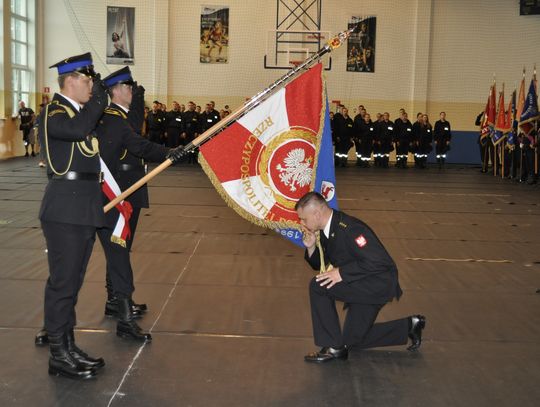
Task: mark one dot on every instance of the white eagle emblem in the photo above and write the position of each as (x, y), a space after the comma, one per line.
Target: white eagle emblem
(297, 170)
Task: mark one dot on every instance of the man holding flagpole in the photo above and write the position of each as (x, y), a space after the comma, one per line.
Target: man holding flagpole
(360, 273)
(117, 138)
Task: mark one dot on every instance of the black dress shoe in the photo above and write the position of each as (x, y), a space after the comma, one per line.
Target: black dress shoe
(80, 356)
(417, 323)
(42, 338)
(327, 354)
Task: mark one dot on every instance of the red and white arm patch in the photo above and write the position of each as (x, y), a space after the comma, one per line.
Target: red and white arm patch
(361, 241)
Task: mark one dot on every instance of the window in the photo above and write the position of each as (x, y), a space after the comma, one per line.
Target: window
(21, 74)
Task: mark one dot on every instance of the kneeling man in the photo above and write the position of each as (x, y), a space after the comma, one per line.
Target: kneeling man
(356, 270)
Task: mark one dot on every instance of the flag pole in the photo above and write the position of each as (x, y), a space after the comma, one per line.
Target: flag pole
(334, 43)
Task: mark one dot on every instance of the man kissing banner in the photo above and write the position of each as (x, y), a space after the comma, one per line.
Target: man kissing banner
(267, 160)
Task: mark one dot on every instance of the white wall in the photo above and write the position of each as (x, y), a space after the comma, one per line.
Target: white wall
(432, 55)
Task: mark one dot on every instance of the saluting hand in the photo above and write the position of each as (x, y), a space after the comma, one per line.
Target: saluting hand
(330, 278)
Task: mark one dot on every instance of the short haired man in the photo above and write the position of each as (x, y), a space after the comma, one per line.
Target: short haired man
(360, 273)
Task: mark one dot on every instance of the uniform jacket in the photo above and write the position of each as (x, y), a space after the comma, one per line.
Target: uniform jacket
(75, 202)
(363, 261)
(116, 139)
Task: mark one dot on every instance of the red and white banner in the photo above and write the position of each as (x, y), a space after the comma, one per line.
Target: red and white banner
(111, 189)
(267, 160)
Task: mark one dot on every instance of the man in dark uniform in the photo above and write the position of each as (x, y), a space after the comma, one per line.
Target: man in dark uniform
(117, 137)
(193, 129)
(366, 136)
(527, 145)
(72, 206)
(175, 126)
(442, 135)
(360, 273)
(209, 117)
(27, 117)
(156, 123)
(385, 138)
(344, 129)
(358, 123)
(415, 139)
(402, 139)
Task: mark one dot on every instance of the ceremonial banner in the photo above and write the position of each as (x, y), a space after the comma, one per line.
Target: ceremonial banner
(361, 45)
(111, 189)
(214, 47)
(282, 149)
(502, 126)
(120, 35)
(512, 120)
(530, 110)
(484, 126)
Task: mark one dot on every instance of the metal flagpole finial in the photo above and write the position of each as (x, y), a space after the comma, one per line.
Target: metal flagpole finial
(339, 39)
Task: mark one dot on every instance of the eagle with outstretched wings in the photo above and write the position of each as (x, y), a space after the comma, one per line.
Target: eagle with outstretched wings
(297, 169)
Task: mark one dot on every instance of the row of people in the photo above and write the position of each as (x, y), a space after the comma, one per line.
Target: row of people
(180, 126)
(380, 137)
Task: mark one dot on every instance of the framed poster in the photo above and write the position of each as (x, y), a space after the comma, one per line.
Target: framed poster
(214, 33)
(120, 35)
(361, 45)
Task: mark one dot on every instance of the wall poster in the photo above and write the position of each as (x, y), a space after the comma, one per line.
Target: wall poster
(361, 45)
(120, 35)
(214, 35)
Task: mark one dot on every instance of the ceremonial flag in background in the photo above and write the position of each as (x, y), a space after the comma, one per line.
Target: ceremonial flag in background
(504, 120)
(530, 109)
(484, 126)
(512, 120)
(267, 160)
(520, 101)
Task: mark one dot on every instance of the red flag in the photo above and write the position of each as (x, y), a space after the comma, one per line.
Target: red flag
(492, 106)
(267, 160)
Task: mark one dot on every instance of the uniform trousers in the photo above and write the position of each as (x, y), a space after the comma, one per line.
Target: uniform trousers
(68, 251)
(118, 264)
(359, 328)
(173, 137)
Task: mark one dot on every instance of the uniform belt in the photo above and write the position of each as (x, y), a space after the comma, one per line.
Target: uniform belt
(131, 167)
(79, 176)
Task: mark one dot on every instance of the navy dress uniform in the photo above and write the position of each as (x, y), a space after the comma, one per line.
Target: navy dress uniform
(385, 138)
(425, 140)
(116, 137)
(71, 210)
(366, 136)
(369, 281)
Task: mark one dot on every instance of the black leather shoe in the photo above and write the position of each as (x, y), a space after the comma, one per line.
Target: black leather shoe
(417, 323)
(127, 327)
(111, 308)
(80, 356)
(327, 354)
(62, 363)
(42, 338)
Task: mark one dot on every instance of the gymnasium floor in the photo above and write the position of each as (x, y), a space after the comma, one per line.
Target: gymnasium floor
(229, 311)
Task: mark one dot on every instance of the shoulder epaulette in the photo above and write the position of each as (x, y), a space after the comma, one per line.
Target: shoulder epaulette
(110, 110)
(342, 224)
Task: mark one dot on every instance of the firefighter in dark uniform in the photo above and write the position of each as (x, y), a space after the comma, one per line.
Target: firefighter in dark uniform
(209, 117)
(366, 137)
(117, 137)
(357, 271)
(415, 140)
(175, 126)
(384, 139)
(402, 139)
(442, 135)
(72, 207)
(426, 140)
(344, 129)
(156, 123)
(358, 122)
(527, 145)
(192, 128)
